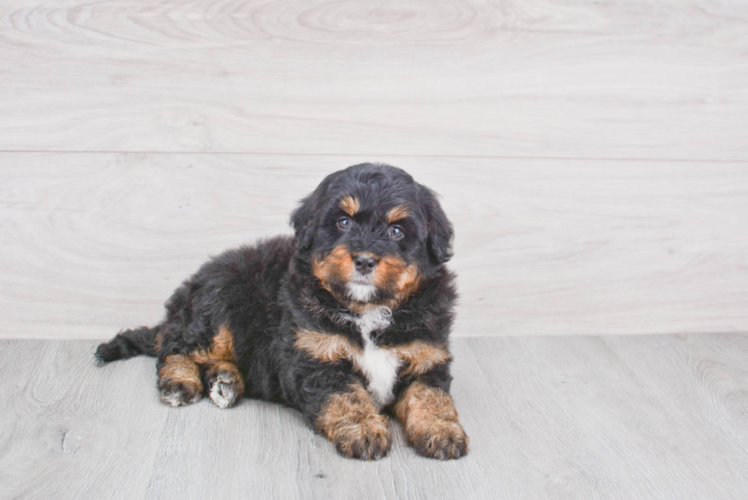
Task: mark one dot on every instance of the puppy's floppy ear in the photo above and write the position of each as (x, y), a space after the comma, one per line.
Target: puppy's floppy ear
(440, 233)
(304, 218)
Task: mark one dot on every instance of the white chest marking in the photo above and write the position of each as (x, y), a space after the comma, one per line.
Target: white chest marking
(379, 366)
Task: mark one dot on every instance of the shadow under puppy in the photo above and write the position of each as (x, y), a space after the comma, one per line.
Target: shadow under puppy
(347, 322)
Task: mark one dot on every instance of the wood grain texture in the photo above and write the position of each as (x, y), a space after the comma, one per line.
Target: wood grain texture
(539, 78)
(634, 417)
(93, 243)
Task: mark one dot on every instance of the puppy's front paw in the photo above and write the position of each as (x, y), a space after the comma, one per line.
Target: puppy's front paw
(430, 421)
(367, 440)
(353, 423)
(440, 439)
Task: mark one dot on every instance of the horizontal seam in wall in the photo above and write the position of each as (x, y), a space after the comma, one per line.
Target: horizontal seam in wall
(391, 155)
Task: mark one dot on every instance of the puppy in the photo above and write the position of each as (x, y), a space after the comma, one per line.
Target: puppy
(348, 321)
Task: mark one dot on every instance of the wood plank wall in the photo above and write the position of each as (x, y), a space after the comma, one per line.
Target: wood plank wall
(593, 156)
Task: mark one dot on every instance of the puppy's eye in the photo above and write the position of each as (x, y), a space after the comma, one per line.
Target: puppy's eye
(396, 232)
(344, 223)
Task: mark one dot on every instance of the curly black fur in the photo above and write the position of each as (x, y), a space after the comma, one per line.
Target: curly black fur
(265, 293)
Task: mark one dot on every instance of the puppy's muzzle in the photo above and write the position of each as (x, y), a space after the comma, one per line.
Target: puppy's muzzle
(365, 263)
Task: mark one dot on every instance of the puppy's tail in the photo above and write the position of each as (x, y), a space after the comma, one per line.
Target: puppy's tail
(129, 343)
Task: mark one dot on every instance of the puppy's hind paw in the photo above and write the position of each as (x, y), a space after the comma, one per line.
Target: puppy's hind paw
(226, 386)
(178, 394)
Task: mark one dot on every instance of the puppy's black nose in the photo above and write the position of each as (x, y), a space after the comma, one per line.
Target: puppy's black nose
(365, 263)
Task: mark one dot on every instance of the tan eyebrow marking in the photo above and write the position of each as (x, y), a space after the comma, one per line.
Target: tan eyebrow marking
(397, 213)
(350, 205)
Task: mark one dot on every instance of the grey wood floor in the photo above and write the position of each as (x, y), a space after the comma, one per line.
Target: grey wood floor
(630, 417)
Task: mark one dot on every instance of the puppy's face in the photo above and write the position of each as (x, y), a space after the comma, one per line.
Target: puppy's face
(367, 250)
(371, 234)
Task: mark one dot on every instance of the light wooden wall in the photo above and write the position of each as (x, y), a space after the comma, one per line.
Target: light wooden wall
(593, 156)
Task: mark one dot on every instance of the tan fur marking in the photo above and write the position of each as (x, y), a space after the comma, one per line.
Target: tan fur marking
(388, 271)
(226, 366)
(350, 205)
(359, 307)
(159, 339)
(409, 281)
(397, 213)
(338, 265)
(182, 369)
(326, 347)
(354, 424)
(221, 350)
(430, 421)
(419, 357)
(393, 273)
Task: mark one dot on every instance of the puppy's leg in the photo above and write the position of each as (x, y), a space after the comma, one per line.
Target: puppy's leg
(179, 380)
(224, 383)
(430, 421)
(221, 378)
(350, 420)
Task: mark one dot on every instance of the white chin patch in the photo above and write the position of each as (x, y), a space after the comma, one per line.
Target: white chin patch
(360, 292)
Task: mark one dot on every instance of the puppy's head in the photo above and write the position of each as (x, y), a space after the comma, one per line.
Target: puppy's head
(371, 233)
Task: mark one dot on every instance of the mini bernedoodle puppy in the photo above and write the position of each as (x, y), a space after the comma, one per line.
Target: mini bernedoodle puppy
(347, 321)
